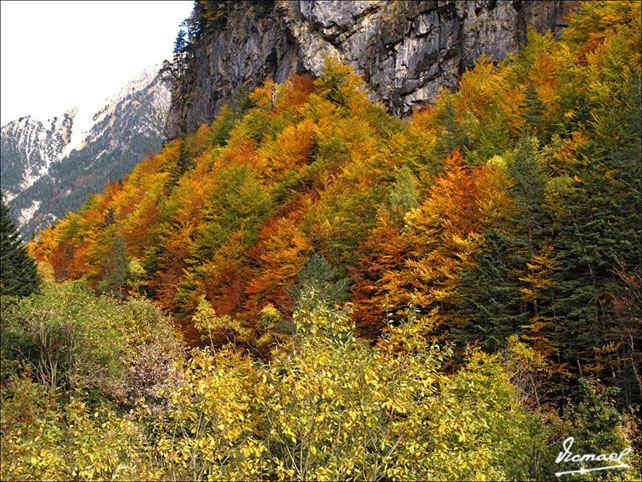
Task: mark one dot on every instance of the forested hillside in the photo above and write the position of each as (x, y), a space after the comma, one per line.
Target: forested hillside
(49, 168)
(445, 297)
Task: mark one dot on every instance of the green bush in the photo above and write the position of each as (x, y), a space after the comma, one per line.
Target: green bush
(67, 338)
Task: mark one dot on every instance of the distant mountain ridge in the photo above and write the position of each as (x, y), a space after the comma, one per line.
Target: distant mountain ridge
(49, 167)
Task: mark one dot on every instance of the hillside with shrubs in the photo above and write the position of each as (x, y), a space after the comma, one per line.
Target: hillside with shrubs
(310, 288)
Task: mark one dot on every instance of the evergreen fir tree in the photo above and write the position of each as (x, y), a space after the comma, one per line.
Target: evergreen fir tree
(115, 270)
(599, 231)
(183, 164)
(490, 298)
(528, 192)
(533, 112)
(318, 276)
(510, 289)
(18, 273)
(599, 425)
(453, 134)
(180, 43)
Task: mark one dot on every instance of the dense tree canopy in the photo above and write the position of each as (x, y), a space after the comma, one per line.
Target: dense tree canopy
(443, 297)
(509, 207)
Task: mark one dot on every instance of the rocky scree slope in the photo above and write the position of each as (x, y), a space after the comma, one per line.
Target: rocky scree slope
(406, 50)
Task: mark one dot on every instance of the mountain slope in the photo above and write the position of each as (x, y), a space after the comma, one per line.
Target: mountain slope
(407, 51)
(49, 167)
(29, 147)
(510, 208)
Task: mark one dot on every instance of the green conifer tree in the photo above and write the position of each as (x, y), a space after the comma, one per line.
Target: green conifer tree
(318, 276)
(18, 273)
(599, 426)
(599, 229)
(533, 110)
(115, 270)
(183, 164)
(491, 301)
(453, 134)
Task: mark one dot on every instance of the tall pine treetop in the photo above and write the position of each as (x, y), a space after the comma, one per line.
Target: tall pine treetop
(18, 273)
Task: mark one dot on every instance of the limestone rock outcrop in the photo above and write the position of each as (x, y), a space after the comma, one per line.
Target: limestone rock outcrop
(406, 50)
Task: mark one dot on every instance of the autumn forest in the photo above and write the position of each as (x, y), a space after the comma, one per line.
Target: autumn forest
(310, 288)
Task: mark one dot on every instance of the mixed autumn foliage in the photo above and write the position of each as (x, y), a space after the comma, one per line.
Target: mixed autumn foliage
(510, 207)
(371, 298)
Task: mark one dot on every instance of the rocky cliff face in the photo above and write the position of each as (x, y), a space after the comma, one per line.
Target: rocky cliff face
(406, 50)
(49, 167)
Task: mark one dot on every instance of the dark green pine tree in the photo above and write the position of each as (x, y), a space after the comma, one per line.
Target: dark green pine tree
(18, 273)
(491, 302)
(533, 111)
(317, 276)
(538, 271)
(403, 196)
(528, 193)
(183, 164)
(180, 43)
(319, 287)
(600, 232)
(115, 272)
(453, 134)
(598, 423)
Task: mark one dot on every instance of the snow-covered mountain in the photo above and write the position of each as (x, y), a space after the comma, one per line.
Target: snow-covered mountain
(29, 147)
(50, 166)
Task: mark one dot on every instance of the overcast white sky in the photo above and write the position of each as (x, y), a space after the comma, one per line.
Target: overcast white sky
(57, 55)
